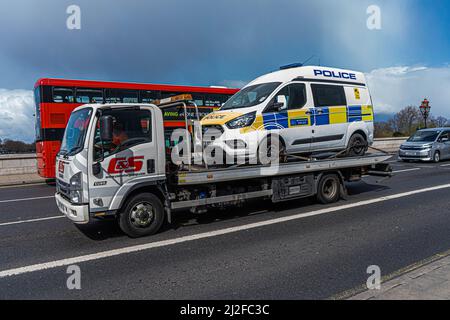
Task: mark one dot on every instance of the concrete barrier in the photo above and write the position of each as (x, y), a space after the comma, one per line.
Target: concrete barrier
(389, 144)
(18, 164)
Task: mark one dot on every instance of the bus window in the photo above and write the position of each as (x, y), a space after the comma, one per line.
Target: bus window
(121, 96)
(37, 99)
(149, 96)
(89, 95)
(198, 99)
(215, 100)
(63, 95)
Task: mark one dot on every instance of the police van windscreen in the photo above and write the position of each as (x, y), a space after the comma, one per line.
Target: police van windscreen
(250, 96)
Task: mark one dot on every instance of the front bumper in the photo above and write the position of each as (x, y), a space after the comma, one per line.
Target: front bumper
(423, 155)
(77, 213)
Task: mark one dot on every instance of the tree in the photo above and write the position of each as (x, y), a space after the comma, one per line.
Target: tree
(439, 122)
(406, 121)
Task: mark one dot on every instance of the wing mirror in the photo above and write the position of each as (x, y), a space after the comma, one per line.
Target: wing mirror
(280, 103)
(106, 128)
(444, 140)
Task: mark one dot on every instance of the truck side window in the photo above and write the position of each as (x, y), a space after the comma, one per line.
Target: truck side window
(131, 127)
(328, 95)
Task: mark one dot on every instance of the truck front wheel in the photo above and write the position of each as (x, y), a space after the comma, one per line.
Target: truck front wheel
(328, 189)
(142, 215)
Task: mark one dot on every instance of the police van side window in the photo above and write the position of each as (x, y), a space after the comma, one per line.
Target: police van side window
(295, 95)
(328, 95)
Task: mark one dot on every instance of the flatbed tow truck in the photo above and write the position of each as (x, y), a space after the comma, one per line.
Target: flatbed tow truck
(140, 187)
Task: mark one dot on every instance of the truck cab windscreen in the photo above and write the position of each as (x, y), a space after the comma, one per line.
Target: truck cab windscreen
(250, 96)
(75, 133)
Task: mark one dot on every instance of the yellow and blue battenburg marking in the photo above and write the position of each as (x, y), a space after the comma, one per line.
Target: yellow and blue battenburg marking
(309, 117)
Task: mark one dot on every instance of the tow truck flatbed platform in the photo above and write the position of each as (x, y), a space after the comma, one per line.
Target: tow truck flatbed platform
(298, 167)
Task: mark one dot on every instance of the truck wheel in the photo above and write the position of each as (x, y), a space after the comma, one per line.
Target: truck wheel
(328, 190)
(357, 146)
(143, 215)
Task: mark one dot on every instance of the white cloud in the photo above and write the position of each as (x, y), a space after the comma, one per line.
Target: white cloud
(397, 87)
(16, 115)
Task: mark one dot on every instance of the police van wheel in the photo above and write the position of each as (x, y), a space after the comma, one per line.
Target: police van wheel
(328, 190)
(357, 146)
(143, 215)
(280, 153)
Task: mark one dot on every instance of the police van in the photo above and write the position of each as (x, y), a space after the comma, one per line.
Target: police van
(305, 109)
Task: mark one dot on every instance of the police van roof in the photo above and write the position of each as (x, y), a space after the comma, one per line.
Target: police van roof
(313, 73)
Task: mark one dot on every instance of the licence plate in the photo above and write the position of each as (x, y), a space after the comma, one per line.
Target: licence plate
(61, 206)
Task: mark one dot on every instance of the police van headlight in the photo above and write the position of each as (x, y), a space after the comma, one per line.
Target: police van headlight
(243, 121)
(76, 189)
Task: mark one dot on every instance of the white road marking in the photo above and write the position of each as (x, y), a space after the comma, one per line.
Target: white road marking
(30, 220)
(23, 185)
(445, 165)
(210, 234)
(26, 199)
(406, 170)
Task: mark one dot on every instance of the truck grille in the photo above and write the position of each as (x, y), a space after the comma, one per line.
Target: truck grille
(62, 188)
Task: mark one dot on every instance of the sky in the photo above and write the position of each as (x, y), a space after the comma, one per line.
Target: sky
(222, 42)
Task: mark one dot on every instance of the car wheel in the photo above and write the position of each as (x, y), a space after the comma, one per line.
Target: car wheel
(143, 215)
(357, 146)
(436, 157)
(265, 150)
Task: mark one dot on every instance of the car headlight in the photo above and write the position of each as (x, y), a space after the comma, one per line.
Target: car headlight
(76, 189)
(243, 121)
(428, 146)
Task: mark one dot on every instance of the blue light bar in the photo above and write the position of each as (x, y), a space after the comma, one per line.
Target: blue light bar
(292, 65)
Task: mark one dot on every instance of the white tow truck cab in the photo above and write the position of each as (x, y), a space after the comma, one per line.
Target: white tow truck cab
(113, 164)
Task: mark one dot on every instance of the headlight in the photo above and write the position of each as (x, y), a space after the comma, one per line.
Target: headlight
(243, 121)
(76, 189)
(428, 146)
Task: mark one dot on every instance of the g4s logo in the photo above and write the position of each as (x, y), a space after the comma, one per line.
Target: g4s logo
(121, 165)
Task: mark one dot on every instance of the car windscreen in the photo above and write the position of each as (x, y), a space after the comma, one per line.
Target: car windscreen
(250, 96)
(424, 136)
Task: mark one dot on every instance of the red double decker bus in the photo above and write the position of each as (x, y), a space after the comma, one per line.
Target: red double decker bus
(56, 98)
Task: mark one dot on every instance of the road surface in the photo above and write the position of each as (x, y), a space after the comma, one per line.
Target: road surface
(295, 250)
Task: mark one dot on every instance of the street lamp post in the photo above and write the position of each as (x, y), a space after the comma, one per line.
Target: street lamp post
(425, 110)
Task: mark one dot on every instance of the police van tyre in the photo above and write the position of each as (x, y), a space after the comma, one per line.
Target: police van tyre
(436, 157)
(143, 215)
(357, 146)
(281, 153)
(328, 190)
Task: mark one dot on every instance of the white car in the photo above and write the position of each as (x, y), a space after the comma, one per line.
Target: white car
(304, 109)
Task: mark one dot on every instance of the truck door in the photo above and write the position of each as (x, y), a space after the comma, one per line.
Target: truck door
(132, 154)
(330, 117)
(294, 120)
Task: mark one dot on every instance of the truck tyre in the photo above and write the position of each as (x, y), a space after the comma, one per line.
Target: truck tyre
(281, 152)
(142, 215)
(328, 190)
(357, 146)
